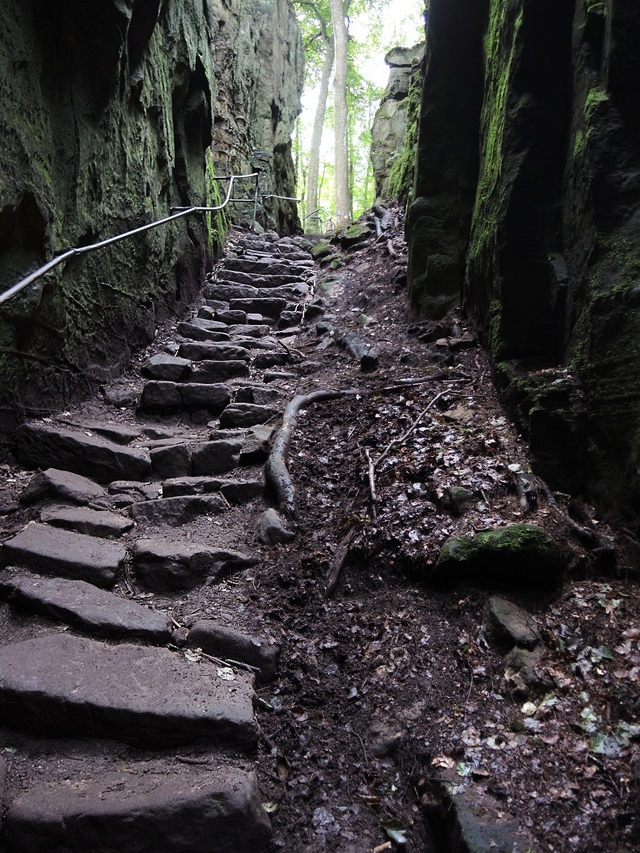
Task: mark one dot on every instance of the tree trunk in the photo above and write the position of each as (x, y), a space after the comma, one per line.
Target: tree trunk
(341, 42)
(316, 137)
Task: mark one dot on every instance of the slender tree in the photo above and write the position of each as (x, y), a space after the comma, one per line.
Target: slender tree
(341, 120)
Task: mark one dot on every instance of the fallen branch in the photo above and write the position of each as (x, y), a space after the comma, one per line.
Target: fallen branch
(340, 558)
(276, 472)
(414, 426)
(372, 483)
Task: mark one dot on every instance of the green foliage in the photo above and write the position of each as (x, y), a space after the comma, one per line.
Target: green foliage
(217, 223)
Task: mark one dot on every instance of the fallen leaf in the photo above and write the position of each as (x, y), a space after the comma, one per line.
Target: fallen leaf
(443, 761)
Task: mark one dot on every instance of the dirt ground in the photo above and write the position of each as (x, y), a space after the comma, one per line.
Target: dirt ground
(390, 684)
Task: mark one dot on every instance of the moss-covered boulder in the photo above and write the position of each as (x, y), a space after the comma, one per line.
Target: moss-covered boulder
(354, 235)
(322, 250)
(517, 555)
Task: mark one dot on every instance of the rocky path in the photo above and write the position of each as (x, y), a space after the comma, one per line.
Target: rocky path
(176, 673)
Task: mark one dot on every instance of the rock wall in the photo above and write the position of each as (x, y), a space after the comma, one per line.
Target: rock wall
(109, 108)
(259, 61)
(526, 208)
(390, 122)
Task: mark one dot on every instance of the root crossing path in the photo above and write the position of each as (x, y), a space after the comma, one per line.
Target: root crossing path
(195, 657)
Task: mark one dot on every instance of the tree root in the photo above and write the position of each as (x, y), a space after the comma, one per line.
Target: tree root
(276, 472)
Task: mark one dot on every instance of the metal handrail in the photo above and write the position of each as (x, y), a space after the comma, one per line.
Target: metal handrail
(83, 250)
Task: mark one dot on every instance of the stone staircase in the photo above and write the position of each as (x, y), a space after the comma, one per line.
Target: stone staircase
(111, 503)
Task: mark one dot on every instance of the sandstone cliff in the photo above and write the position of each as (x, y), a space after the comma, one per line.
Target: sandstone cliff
(109, 109)
(391, 120)
(526, 206)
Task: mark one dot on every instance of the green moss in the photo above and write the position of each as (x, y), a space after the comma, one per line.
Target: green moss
(218, 223)
(520, 553)
(501, 49)
(596, 96)
(495, 341)
(579, 145)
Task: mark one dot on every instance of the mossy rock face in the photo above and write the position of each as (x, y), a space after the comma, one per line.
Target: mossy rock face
(517, 555)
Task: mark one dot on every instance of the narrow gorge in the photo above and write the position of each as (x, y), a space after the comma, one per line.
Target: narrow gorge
(319, 541)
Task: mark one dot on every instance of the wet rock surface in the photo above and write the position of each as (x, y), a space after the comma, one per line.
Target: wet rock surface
(386, 686)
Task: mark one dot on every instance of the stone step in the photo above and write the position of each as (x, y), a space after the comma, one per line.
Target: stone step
(62, 485)
(118, 433)
(88, 521)
(256, 267)
(249, 330)
(46, 549)
(270, 306)
(178, 510)
(262, 395)
(299, 260)
(165, 397)
(67, 686)
(85, 607)
(232, 317)
(227, 292)
(197, 333)
(266, 343)
(163, 566)
(171, 810)
(247, 414)
(207, 457)
(258, 279)
(213, 352)
(166, 368)
(235, 491)
(41, 445)
(219, 371)
(265, 360)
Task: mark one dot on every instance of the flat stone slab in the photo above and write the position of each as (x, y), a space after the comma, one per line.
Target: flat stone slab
(174, 396)
(235, 491)
(118, 433)
(178, 510)
(270, 359)
(258, 394)
(510, 623)
(172, 461)
(269, 307)
(231, 317)
(60, 552)
(249, 330)
(162, 566)
(196, 332)
(45, 446)
(260, 279)
(213, 352)
(166, 368)
(88, 521)
(256, 446)
(227, 643)
(131, 811)
(219, 371)
(64, 485)
(268, 343)
(68, 686)
(215, 457)
(85, 607)
(246, 414)
(262, 268)
(225, 292)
